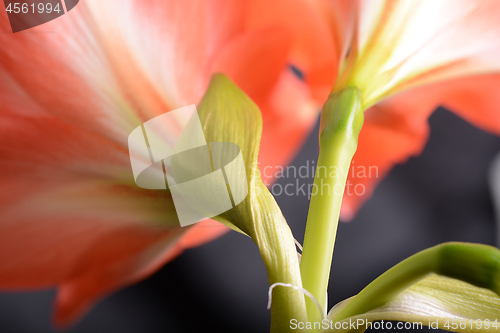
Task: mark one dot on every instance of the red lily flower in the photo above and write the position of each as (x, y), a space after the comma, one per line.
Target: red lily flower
(72, 90)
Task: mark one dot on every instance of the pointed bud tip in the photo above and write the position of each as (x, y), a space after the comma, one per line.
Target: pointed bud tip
(342, 114)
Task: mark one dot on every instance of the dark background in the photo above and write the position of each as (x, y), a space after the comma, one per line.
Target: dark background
(443, 195)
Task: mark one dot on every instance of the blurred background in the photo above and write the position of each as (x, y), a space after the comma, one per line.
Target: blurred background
(443, 195)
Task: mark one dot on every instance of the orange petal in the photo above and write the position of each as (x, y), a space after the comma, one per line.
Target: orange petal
(116, 259)
(90, 238)
(71, 215)
(288, 118)
(39, 77)
(162, 57)
(312, 49)
(119, 71)
(397, 128)
(123, 257)
(341, 19)
(255, 60)
(476, 99)
(402, 44)
(148, 249)
(394, 130)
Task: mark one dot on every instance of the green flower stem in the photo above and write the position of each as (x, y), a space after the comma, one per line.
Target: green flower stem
(341, 122)
(476, 264)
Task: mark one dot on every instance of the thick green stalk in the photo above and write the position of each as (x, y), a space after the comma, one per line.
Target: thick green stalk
(476, 264)
(341, 122)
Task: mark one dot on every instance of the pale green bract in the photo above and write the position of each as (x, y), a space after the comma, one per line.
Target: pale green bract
(439, 301)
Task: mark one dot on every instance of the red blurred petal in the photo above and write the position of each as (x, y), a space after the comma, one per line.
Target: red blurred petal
(71, 216)
(397, 128)
(255, 60)
(393, 131)
(476, 99)
(123, 257)
(288, 118)
(312, 49)
(118, 259)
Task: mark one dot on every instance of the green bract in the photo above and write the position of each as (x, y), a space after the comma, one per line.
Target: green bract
(228, 115)
(435, 301)
(461, 298)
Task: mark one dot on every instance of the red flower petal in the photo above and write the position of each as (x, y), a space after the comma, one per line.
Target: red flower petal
(476, 99)
(312, 49)
(397, 128)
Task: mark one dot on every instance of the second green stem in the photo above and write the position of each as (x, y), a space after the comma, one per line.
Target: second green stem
(341, 122)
